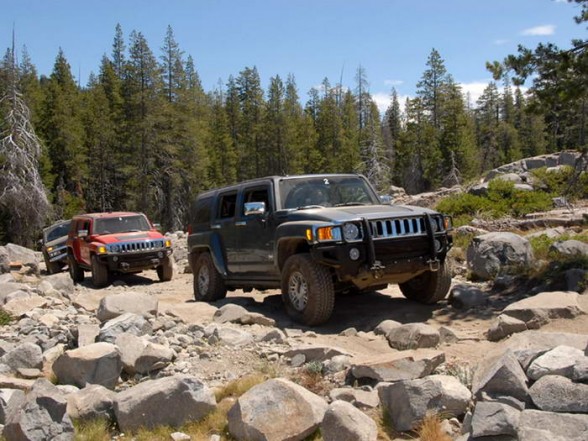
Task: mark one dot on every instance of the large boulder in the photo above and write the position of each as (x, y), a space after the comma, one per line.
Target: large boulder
(538, 310)
(98, 363)
(40, 415)
(90, 403)
(274, 411)
(500, 375)
(25, 355)
(61, 282)
(127, 322)
(6, 397)
(570, 248)
(407, 402)
(536, 425)
(141, 356)
(560, 360)
(555, 393)
(494, 419)
(114, 305)
(413, 336)
(403, 365)
(22, 255)
(169, 401)
(344, 422)
(494, 254)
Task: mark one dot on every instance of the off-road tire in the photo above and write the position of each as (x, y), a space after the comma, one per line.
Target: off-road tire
(429, 287)
(75, 272)
(165, 271)
(307, 290)
(52, 267)
(99, 273)
(208, 282)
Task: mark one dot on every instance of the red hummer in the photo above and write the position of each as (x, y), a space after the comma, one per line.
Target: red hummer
(117, 242)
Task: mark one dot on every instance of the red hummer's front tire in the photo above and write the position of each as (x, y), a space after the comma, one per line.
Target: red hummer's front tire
(99, 273)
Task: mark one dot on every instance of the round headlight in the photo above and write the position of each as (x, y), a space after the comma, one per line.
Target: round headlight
(350, 232)
(114, 248)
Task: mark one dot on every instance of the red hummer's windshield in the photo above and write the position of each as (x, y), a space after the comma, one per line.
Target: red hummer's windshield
(121, 224)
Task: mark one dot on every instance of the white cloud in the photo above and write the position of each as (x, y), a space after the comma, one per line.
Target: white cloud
(393, 82)
(475, 89)
(539, 30)
(383, 99)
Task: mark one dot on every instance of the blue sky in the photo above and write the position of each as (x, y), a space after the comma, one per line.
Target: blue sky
(310, 39)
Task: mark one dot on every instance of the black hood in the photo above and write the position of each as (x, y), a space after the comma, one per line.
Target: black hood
(345, 214)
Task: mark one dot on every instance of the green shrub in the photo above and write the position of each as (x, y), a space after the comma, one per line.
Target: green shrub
(5, 318)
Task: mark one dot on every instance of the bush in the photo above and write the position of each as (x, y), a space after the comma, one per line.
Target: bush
(5, 318)
(503, 199)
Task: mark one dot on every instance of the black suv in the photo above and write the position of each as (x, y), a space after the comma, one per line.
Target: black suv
(53, 246)
(314, 236)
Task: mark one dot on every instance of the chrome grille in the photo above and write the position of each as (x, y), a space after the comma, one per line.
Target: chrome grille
(398, 227)
(137, 246)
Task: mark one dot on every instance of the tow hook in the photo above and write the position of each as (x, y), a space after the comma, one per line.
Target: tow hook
(434, 265)
(377, 269)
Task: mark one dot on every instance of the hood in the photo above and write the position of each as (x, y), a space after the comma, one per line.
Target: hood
(344, 214)
(127, 237)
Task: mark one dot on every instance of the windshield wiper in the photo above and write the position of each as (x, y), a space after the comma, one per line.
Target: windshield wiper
(349, 204)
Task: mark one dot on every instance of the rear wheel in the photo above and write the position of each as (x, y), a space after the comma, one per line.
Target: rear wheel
(307, 290)
(429, 287)
(99, 273)
(75, 272)
(208, 282)
(165, 271)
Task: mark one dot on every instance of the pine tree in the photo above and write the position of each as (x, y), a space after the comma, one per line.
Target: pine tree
(249, 139)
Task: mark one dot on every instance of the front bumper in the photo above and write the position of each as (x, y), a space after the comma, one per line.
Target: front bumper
(58, 254)
(134, 262)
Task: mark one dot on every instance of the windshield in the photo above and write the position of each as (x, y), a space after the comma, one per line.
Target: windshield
(326, 191)
(121, 224)
(57, 231)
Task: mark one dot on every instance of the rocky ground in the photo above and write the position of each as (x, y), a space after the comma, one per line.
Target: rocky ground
(506, 358)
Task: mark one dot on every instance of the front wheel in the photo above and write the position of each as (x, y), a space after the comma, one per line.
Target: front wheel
(75, 272)
(165, 271)
(429, 287)
(52, 267)
(307, 290)
(208, 282)
(99, 273)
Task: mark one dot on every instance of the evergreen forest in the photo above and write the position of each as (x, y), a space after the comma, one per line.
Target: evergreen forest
(143, 134)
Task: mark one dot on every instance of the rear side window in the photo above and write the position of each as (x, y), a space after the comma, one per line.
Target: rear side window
(202, 210)
(226, 205)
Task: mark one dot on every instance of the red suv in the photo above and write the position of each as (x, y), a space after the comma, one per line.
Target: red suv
(118, 242)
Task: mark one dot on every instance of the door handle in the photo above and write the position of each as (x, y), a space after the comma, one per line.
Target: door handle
(240, 223)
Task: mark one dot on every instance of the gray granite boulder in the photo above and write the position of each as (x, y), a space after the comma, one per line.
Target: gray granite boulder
(344, 422)
(127, 322)
(90, 403)
(500, 375)
(403, 365)
(6, 397)
(536, 425)
(560, 360)
(569, 248)
(503, 326)
(554, 393)
(115, 305)
(538, 310)
(259, 414)
(413, 336)
(494, 419)
(169, 401)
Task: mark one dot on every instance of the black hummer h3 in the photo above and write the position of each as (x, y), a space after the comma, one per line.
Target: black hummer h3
(314, 236)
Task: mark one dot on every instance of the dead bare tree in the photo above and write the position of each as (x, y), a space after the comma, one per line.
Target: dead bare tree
(22, 193)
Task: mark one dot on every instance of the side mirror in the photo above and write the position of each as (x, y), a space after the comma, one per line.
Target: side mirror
(157, 227)
(386, 199)
(82, 234)
(254, 208)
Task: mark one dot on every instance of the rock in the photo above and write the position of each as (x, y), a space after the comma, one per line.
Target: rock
(22, 255)
(493, 254)
(448, 335)
(576, 279)
(6, 396)
(115, 305)
(258, 415)
(61, 282)
(558, 361)
(231, 313)
(569, 248)
(180, 436)
(25, 355)
(153, 358)
(87, 334)
(407, 402)
(467, 296)
(336, 364)
(503, 326)
(169, 401)
(500, 375)
(92, 402)
(494, 419)
(386, 326)
(40, 415)
(362, 399)
(98, 363)
(555, 393)
(4, 261)
(20, 306)
(7, 288)
(128, 322)
(537, 310)
(535, 425)
(413, 336)
(537, 340)
(230, 337)
(404, 365)
(344, 422)
(315, 353)
(273, 335)
(580, 372)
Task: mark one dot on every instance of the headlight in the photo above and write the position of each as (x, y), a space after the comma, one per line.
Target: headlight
(168, 243)
(324, 234)
(350, 232)
(101, 250)
(49, 249)
(114, 248)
